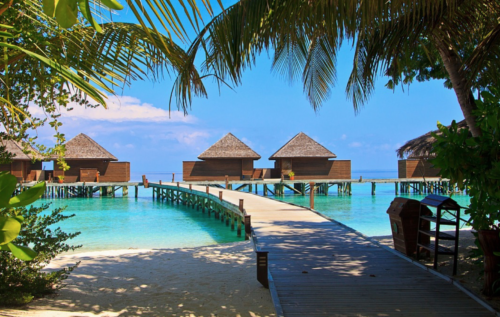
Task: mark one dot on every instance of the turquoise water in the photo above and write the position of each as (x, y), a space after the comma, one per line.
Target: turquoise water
(123, 223)
(126, 222)
(361, 211)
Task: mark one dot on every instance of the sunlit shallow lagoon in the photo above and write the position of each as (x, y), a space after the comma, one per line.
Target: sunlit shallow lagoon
(109, 223)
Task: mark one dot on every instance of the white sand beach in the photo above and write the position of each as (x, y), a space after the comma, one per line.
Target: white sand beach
(212, 281)
(209, 281)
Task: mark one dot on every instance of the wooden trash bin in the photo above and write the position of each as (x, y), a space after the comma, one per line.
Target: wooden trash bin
(404, 214)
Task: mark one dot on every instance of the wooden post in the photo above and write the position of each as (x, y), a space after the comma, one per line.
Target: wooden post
(227, 181)
(220, 195)
(282, 177)
(238, 226)
(248, 227)
(311, 195)
(207, 189)
(145, 181)
(265, 189)
(97, 177)
(262, 268)
(239, 219)
(396, 188)
(173, 177)
(136, 191)
(190, 187)
(373, 188)
(160, 181)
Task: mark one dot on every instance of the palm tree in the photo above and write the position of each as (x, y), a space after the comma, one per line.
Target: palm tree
(390, 38)
(44, 65)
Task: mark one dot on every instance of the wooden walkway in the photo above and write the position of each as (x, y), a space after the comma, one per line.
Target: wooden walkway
(321, 268)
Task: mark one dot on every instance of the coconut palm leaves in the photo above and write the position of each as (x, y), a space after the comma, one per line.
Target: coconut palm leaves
(392, 38)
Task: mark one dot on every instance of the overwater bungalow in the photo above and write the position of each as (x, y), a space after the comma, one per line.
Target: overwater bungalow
(228, 156)
(308, 160)
(414, 156)
(90, 162)
(22, 166)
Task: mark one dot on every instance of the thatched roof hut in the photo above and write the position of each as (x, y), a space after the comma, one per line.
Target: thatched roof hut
(229, 147)
(17, 150)
(82, 147)
(421, 147)
(302, 145)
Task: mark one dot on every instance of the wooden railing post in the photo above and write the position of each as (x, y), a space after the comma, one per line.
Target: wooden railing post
(227, 181)
(207, 189)
(178, 185)
(248, 227)
(145, 181)
(262, 268)
(160, 181)
(311, 195)
(173, 177)
(220, 195)
(190, 187)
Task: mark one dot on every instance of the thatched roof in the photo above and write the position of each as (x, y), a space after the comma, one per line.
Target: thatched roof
(16, 148)
(421, 147)
(227, 148)
(302, 145)
(82, 147)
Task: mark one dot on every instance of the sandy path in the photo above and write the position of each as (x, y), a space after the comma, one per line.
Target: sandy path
(205, 281)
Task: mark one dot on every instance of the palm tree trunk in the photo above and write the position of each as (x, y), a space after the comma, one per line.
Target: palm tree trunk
(453, 65)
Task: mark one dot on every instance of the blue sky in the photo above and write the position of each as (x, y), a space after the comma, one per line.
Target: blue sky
(264, 112)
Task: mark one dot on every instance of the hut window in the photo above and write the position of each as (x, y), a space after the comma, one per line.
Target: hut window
(49, 166)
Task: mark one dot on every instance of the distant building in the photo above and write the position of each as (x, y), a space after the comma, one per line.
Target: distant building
(228, 156)
(22, 165)
(89, 161)
(417, 153)
(308, 160)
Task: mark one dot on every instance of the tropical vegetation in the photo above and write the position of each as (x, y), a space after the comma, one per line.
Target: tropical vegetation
(406, 40)
(54, 53)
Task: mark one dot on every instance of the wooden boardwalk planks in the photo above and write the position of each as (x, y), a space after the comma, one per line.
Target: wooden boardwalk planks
(321, 268)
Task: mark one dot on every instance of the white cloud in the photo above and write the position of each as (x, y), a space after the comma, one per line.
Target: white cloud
(192, 138)
(121, 109)
(343, 137)
(355, 144)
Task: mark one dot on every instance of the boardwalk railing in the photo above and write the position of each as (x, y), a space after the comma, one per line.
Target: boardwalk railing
(233, 215)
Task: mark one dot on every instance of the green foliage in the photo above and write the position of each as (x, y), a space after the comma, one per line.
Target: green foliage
(20, 281)
(10, 226)
(291, 174)
(474, 162)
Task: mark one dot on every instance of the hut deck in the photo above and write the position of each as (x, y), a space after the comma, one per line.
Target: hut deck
(322, 268)
(329, 181)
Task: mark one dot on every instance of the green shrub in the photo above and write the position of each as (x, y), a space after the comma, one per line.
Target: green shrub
(21, 281)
